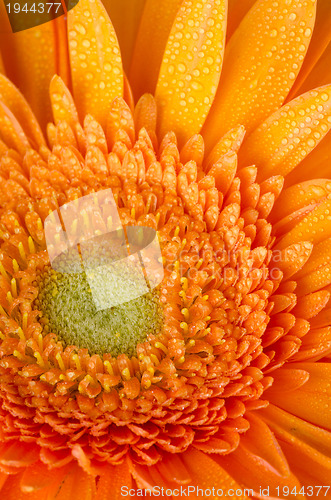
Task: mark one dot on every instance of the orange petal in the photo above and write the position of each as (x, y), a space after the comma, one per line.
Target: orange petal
(318, 161)
(77, 485)
(315, 227)
(205, 472)
(97, 78)
(63, 105)
(16, 103)
(311, 304)
(311, 75)
(150, 44)
(125, 16)
(315, 345)
(31, 61)
(237, 11)
(312, 401)
(315, 280)
(11, 131)
(261, 62)
(145, 113)
(112, 480)
(287, 379)
(303, 195)
(290, 134)
(291, 259)
(12, 491)
(2, 67)
(229, 143)
(259, 462)
(189, 77)
(39, 476)
(306, 444)
(319, 258)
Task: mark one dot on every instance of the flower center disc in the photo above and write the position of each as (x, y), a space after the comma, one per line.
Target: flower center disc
(68, 309)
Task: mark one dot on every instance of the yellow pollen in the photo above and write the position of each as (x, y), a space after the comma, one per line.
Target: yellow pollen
(16, 267)
(184, 326)
(185, 313)
(76, 360)
(126, 374)
(22, 251)
(161, 346)
(18, 355)
(32, 248)
(3, 271)
(109, 367)
(60, 361)
(13, 285)
(184, 283)
(39, 359)
(199, 263)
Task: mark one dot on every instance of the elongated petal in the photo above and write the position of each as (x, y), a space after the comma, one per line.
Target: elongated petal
(315, 227)
(2, 67)
(305, 445)
(319, 46)
(261, 62)
(237, 11)
(303, 196)
(31, 59)
(112, 480)
(191, 67)
(125, 16)
(320, 257)
(316, 163)
(21, 110)
(63, 106)
(312, 401)
(290, 134)
(259, 461)
(150, 44)
(205, 472)
(97, 77)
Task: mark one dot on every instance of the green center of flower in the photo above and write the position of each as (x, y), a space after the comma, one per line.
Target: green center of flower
(70, 309)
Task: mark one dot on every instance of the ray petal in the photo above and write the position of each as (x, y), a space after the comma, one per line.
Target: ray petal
(316, 164)
(97, 77)
(310, 75)
(14, 100)
(237, 11)
(312, 401)
(125, 16)
(305, 443)
(63, 105)
(262, 60)
(113, 479)
(191, 67)
(314, 227)
(259, 461)
(290, 134)
(150, 44)
(31, 59)
(206, 472)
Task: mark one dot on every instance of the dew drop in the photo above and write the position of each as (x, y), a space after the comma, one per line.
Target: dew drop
(80, 28)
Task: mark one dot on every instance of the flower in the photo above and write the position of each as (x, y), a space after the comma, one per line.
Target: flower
(219, 147)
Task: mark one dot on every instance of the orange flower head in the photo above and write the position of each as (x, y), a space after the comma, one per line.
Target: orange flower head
(221, 369)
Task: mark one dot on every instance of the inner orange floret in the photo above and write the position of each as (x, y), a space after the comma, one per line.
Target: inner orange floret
(193, 381)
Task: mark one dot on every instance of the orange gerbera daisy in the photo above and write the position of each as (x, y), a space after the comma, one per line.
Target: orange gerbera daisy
(218, 140)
